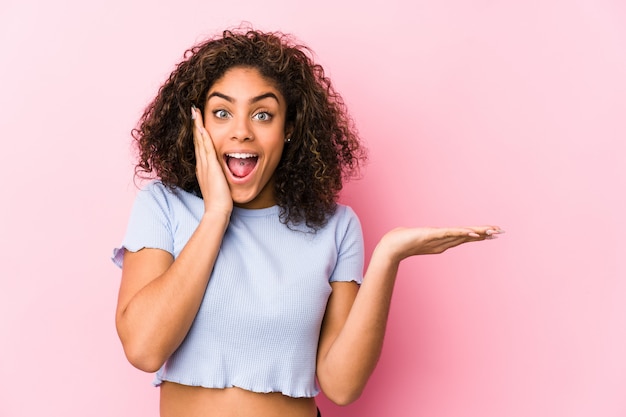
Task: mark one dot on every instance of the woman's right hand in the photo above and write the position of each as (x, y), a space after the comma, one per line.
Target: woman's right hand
(160, 296)
(213, 185)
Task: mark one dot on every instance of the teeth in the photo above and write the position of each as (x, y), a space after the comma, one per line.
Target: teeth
(240, 155)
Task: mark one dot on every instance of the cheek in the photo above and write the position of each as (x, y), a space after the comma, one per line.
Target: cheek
(277, 155)
(216, 133)
(277, 144)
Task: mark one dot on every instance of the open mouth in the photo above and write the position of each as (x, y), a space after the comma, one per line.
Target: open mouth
(241, 164)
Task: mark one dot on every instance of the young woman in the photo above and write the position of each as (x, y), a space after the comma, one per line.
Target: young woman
(242, 277)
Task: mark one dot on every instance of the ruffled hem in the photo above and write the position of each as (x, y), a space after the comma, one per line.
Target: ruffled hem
(256, 388)
(118, 253)
(118, 256)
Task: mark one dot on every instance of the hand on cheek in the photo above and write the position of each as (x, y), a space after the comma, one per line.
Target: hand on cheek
(213, 184)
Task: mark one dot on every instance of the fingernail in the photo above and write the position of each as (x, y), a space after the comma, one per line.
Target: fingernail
(193, 112)
(489, 232)
(472, 234)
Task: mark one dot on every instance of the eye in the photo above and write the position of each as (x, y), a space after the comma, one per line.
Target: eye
(262, 116)
(221, 114)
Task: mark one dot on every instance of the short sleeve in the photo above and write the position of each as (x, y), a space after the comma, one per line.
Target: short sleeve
(350, 257)
(150, 224)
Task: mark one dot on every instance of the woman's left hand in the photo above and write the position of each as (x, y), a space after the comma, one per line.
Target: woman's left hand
(401, 243)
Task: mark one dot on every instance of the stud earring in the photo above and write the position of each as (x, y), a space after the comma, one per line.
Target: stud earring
(287, 140)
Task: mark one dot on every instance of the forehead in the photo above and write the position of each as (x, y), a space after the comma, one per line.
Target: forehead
(244, 82)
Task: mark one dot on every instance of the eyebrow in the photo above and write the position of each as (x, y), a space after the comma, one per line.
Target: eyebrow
(252, 100)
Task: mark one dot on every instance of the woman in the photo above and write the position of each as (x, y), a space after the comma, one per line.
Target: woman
(242, 278)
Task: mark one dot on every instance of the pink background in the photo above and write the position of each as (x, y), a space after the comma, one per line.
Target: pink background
(509, 112)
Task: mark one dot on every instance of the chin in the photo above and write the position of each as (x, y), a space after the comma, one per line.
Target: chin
(255, 201)
(240, 198)
(244, 201)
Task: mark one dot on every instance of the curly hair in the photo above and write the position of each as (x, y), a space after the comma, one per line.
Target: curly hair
(324, 148)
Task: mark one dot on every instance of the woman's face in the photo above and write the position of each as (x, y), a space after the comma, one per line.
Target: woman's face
(245, 117)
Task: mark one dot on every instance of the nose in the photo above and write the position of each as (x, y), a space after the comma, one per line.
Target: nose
(241, 129)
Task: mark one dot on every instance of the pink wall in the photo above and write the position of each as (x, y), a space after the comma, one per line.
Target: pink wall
(474, 112)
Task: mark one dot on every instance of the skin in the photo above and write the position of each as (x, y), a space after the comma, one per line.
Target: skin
(159, 296)
(245, 113)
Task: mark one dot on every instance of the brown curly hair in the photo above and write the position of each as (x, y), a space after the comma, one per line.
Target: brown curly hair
(324, 148)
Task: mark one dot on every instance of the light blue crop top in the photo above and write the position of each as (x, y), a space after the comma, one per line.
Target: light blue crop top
(259, 322)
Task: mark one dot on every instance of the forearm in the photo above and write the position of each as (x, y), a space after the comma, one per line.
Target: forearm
(352, 339)
(353, 355)
(155, 320)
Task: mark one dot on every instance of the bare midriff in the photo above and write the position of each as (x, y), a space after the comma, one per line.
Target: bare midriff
(182, 400)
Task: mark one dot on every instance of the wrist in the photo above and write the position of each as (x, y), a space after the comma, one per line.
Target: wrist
(385, 252)
(216, 216)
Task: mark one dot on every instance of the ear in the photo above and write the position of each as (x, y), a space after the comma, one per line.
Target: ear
(288, 131)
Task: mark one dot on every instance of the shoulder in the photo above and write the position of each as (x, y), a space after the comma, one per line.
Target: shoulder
(345, 211)
(155, 200)
(344, 216)
(160, 194)
(157, 188)
(344, 225)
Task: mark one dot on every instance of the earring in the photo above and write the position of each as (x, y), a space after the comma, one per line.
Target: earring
(287, 140)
